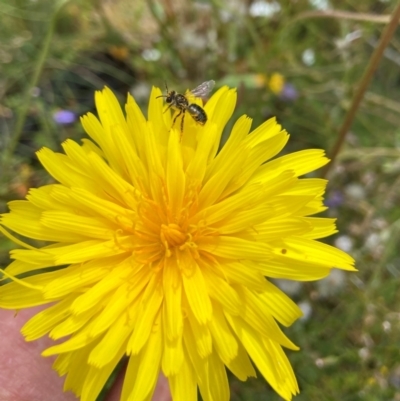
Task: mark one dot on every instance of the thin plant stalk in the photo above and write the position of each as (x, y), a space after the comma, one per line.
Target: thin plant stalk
(365, 80)
(21, 117)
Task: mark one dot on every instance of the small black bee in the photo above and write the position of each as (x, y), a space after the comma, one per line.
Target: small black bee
(182, 103)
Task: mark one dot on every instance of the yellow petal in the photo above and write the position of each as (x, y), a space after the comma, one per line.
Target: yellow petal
(235, 248)
(221, 291)
(75, 278)
(96, 378)
(219, 386)
(202, 338)
(172, 306)
(196, 292)
(44, 321)
(281, 307)
(173, 356)
(311, 251)
(148, 310)
(200, 365)
(301, 162)
(175, 177)
(149, 360)
(183, 385)
(275, 373)
(113, 343)
(78, 370)
(223, 338)
(258, 316)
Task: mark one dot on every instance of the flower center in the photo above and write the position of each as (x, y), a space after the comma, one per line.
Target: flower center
(161, 231)
(172, 235)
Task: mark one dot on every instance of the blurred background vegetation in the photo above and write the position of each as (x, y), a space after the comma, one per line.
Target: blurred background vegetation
(299, 60)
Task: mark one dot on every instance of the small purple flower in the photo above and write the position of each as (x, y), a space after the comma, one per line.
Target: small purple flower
(64, 117)
(335, 199)
(289, 93)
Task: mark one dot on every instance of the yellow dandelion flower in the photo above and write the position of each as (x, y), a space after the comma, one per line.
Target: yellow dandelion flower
(159, 249)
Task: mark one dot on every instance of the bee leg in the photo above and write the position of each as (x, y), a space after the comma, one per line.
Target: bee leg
(173, 122)
(167, 108)
(183, 119)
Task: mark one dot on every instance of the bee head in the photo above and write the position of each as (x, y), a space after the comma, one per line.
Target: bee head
(170, 96)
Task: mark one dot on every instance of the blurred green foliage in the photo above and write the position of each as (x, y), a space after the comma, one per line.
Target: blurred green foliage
(297, 60)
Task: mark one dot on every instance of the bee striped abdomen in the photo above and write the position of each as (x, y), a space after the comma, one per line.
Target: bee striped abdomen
(197, 113)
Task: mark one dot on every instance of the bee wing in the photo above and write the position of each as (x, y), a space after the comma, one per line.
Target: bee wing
(203, 89)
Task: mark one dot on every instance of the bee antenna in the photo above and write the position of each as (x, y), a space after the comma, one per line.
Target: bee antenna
(166, 87)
